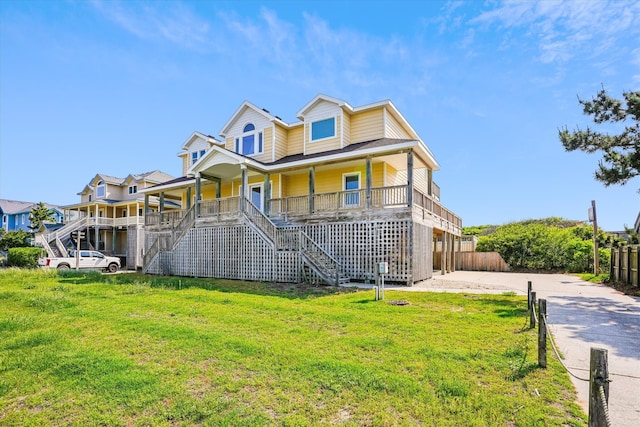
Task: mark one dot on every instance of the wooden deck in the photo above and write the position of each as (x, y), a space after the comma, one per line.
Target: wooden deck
(378, 202)
(333, 237)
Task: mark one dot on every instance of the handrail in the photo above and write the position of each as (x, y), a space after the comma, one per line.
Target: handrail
(216, 207)
(314, 252)
(381, 197)
(186, 222)
(260, 220)
(163, 242)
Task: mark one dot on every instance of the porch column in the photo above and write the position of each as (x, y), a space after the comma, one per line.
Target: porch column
(245, 186)
(146, 203)
(312, 188)
(97, 230)
(451, 252)
(410, 178)
(429, 181)
(368, 181)
(267, 193)
(114, 240)
(188, 198)
(198, 195)
(443, 254)
(161, 207)
(218, 188)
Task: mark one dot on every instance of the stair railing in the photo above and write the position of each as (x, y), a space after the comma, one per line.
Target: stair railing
(261, 221)
(186, 222)
(319, 259)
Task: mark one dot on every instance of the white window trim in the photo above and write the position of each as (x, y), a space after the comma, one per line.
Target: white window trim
(101, 184)
(133, 189)
(346, 198)
(197, 155)
(344, 175)
(335, 130)
(256, 140)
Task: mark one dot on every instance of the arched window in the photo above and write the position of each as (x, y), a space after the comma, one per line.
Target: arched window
(100, 189)
(251, 141)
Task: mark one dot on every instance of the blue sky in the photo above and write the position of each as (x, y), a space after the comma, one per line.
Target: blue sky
(115, 87)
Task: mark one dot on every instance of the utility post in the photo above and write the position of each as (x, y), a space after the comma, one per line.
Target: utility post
(593, 218)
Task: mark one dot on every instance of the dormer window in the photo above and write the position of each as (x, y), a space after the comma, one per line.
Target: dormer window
(250, 142)
(323, 129)
(133, 189)
(196, 155)
(100, 189)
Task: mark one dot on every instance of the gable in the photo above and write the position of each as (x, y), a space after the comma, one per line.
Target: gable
(248, 116)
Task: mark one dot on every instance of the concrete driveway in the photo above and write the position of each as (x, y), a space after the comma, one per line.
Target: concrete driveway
(581, 315)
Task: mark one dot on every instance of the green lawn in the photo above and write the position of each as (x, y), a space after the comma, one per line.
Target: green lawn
(88, 349)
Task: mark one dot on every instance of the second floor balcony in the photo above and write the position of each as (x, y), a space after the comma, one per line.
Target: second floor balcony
(291, 209)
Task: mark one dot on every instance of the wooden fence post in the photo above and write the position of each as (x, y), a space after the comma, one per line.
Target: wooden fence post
(542, 333)
(529, 295)
(598, 377)
(532, 312)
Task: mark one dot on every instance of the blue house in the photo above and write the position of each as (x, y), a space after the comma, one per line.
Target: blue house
(15, 214)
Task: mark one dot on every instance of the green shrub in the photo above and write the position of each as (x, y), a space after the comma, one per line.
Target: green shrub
(549, 244)
(24, 257)
(15, 239)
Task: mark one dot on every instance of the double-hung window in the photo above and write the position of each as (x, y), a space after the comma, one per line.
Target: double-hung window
(133, 189)
(323, 129)
(197, 155)
(250, 142)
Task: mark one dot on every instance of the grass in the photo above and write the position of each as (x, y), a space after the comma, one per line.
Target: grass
(88, 349)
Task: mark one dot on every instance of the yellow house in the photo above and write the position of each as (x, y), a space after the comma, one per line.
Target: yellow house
(327, 197)
(110, 216)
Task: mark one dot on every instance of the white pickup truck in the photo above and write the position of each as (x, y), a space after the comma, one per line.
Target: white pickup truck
(93, 260)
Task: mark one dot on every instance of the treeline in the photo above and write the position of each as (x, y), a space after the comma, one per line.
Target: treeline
(548, 244)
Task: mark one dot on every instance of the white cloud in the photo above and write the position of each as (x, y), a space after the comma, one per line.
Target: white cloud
(176, 23)
(568, 29)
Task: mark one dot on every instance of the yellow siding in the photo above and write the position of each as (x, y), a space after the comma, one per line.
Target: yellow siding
(420, 180)
(325, 144)
(392, 175)
(267, 135)
(394, 129)
(330, 181)
(230, 144)
(295, 141)
(367, 126)
(377, 175)
(209, 193)
(280, 142)
(225, 189)
(296, 185)
(185, 164)
(346, 132)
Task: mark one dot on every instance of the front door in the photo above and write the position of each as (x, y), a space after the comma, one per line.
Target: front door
(255, 195)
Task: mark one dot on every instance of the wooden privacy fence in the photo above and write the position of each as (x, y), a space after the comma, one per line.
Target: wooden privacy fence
(599, 380)
(625, 263)
(478, 261)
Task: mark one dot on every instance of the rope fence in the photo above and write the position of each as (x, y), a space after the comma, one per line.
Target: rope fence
(598, 372)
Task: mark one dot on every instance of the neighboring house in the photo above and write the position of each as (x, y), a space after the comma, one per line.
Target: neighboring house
(15, 214)
(111, 216)
(326, 197)
(636, 226)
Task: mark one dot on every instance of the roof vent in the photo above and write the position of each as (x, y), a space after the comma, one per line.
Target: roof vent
(266, 111)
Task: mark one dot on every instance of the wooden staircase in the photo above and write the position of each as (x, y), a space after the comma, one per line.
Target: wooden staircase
(281, 238)
(318, 264)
